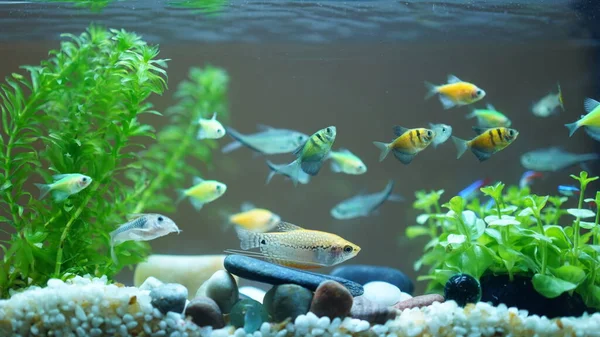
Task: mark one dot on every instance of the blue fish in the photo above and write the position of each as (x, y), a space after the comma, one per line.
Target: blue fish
(568, 190)
(471, 191)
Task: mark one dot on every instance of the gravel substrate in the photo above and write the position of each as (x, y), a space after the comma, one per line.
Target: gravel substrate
(90, 307)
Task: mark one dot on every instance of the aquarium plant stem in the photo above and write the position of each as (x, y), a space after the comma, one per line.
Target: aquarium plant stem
(544, 245)
(575, 256)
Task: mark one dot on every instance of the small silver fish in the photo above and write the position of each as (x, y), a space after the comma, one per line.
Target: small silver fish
(287, 171)
(364, 204)
(442, 133)
(268, 141)
(141, 227)
(64, 186)
(549, 104)
(553, 159)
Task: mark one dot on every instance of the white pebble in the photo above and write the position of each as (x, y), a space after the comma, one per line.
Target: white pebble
(323, 322)
(80, 314)
(265, 328)
(131, 325)
(404, 296)
(382, 293)
(317, 331)
(127, 318)
(362, 326)
(282, 333)
(239, 333)
(55, 283)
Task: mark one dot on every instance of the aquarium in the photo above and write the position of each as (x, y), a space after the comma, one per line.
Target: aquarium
(299, 168)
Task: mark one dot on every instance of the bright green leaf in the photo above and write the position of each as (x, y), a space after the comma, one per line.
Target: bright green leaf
(550, 286)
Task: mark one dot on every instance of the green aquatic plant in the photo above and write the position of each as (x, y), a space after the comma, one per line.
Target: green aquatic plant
(205, 7)
(81, 111)
(93, 5)
(514, 233)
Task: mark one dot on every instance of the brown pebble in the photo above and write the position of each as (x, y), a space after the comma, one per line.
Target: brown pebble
(205, 312)
(132, 300)
(366, 310)
(419, 301)
(331, 299)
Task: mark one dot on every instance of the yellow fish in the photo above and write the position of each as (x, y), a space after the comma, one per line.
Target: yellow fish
(203, 191)
(407, 144)
(296, 247)
(488, 142)
(254, 219)
(591, 120)
(455, 92)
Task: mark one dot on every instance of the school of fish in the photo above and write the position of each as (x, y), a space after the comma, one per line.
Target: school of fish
(291, 245)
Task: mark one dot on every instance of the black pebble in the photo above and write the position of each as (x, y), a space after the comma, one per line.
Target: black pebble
(463, 289)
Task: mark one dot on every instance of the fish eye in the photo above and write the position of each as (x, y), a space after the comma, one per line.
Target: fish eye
(300, 138)
(160, 218)
(511, 132)
(348, 249)
(428, 133)
(218, 187)
(328, 130)
(219, 130)
(478, 92)
(84, 179)
(443, 129)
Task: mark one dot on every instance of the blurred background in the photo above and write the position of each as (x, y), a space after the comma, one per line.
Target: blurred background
(358, 65)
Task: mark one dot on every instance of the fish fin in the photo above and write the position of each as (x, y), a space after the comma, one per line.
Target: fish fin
(297, 151)
(197, 204)
(224, 215)
(197, 180)
(446, 101)
(572, 127)
(263, 127)
(589, 104)
(44, 189)
(593, 131)
(384, 148)
(404, 158)
(201, 133)
(277, 259)
(214, 116)
(471, 114)
(479, 130)
(60, 176)
(133, 216)
(272, 171)
(247, 206)
(311, 167)
(248, 239)
(432, 89)
(489, 106)
(400, 130)
(335, 167)
(482, 156)
(287, 227)
(60, 196)
(180, 195)
(245, 253)
(239, 137)
(296, 169)
(396, 197)
(560, 97)
(461, 146)
(231, 147)
(453, 79)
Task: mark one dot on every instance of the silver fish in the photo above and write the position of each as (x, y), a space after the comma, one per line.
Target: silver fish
(364, 204)
(549, 104)
(553, 159)
(268, 141)
(141, 227)
(442, 133)
(287, 171)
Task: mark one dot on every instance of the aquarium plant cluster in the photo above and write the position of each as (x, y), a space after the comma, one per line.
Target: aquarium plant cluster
(85, 110)
(515, 233)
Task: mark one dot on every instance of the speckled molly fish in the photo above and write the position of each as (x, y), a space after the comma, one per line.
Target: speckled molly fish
(487, 142)
(141, 227)
(296, 247)
(363, 205)
(408, 143)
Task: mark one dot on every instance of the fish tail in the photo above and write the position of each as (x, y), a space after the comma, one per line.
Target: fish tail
(180, 195)
(248, 239)
(295, 167)
(231, 147)
(461, 146)
(431, 90)
(560, 97)
(472, 114)
(384, 148)
(572, 128)
(272, 171)
(588, 157)
(44, 189)
(224, 215)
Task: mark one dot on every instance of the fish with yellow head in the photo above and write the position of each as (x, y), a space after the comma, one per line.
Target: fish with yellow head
(487, 142)
(408, 143)
(296, 247)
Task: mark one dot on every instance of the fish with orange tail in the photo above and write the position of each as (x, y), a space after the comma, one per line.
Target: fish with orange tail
(296, 247)
(407, 144)
(455, 93)
(486, 143)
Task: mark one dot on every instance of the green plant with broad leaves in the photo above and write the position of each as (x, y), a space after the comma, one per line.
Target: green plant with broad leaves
(513, 233)
(83, 111)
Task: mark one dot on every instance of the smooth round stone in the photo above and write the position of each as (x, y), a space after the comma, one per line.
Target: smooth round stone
(462, 288)
(266, 272)
(191, 271)
(169, 297)
(364, 273)
(366, 310)
(248, 314)
(222, 288)
(151, 283)
(204, 311)
(382, 293)
(331, 299)
(287, 300)
(253, 293)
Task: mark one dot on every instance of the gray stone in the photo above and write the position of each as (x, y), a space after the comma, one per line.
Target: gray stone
(222, 288)
(366, 310)
(169, 297)
(287, 300)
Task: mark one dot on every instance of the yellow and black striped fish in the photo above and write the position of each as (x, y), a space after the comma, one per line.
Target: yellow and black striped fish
(487, 142)
(407, 144)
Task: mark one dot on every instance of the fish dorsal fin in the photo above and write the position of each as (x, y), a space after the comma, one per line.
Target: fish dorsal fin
(264, 127)
(489, 106)
(60, 176)
(478, 130)
(287, 227)
(214, 116)
(399, 130)
(131, 217)
(198, 180)
(299, 149)
(453, 79)
(344, 150)
(247, 206)
(590, 104)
